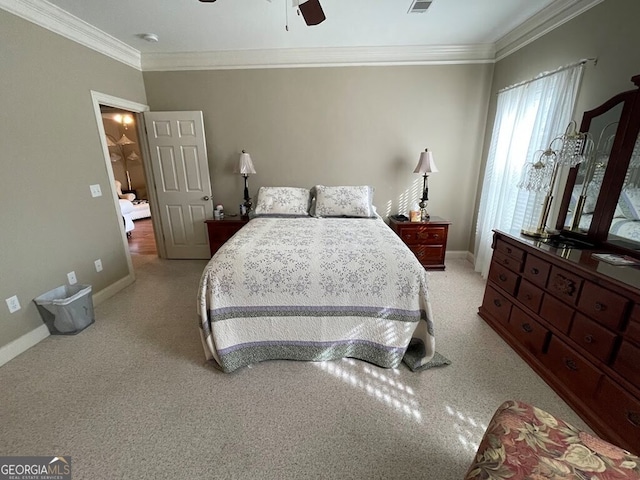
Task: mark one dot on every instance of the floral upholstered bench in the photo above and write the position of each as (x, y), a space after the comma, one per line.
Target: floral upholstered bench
(524, 442)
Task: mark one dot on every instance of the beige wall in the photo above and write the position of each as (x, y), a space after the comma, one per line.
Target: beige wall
(342, 126)
(50, 155)
(608, 32)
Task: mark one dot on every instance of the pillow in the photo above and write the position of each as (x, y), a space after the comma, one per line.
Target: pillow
(343, 201)
(283, 202)
(629, 203)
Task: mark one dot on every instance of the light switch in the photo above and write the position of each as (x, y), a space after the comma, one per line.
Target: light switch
(95, 190)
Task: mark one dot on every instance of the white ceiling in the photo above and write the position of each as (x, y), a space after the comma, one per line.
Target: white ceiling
(189, 28)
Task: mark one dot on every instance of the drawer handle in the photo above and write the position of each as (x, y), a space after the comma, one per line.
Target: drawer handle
(588, 338)
(563, 285)
(527, 327)
(600, 307)
(509, 250)
(570, 364)
(497, 303)
(436, 236)
(535, 271)
(634, 418)
(528, 296)
(503, 277)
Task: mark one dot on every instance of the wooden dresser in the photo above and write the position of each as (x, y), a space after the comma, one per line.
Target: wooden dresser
(576, 321)
(222, 230)
(427, 240)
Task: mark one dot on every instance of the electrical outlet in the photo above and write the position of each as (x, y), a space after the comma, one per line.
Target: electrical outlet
(13, 303)
(98, 264)
(95, 190)
(71, 276)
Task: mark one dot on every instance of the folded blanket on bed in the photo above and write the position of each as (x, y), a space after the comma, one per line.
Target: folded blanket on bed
(314, 289)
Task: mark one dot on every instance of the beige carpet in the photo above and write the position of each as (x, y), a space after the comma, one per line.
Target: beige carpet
(131, 397)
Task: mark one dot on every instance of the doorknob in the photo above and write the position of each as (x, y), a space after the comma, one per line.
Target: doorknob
(206, 198)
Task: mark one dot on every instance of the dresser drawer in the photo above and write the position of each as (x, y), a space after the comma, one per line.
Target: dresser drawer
(507, 261)
(504, 278)
(496, 305)
(427, 235)
(633, 329)
(622, 413)
(593, 337)
(602, 305)
(564, 285)
(576, 373)
(428, 254)
(509, 250)
(627, 362)
(557, 313)
(536, 270)
(530, 295)
(529, 333)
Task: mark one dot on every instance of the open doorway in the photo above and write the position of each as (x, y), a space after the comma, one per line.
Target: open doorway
(125, 154)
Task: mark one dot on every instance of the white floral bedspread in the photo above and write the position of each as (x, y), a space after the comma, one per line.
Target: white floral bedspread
(314, 289)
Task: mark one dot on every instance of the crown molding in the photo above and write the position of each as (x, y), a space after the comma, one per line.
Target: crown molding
(319, 57)
(55, 19)
(540, 24)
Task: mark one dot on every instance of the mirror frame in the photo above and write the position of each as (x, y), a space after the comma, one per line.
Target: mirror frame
(613, 181)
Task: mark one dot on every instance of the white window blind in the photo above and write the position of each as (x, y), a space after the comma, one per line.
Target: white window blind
(528, 117)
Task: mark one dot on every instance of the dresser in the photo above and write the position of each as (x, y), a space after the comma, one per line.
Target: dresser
(222, 230)
(427, 240)
(576, 321)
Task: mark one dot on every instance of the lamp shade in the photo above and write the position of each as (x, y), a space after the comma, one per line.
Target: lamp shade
(124, 140)
(426, 163)
(133, 157)
(245, 165)
(111, 141)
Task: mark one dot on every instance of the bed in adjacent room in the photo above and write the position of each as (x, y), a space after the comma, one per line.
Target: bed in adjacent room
(294, 286)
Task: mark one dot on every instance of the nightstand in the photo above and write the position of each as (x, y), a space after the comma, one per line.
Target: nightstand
(427, 240)
(222, 230)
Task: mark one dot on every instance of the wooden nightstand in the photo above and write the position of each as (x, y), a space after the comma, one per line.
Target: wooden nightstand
(427, 240)
(222, 230)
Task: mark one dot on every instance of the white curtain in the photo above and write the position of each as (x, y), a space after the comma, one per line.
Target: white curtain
(528, 117)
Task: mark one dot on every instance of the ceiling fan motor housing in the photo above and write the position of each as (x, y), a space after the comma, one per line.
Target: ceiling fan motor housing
(312, 12)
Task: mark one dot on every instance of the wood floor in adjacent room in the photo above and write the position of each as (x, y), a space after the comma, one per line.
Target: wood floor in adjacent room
(142, 240)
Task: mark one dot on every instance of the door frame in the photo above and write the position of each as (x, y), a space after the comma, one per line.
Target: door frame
(98, 99)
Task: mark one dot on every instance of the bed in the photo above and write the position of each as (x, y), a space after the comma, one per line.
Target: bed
(140, 210)
(312, 286)
(626, 219)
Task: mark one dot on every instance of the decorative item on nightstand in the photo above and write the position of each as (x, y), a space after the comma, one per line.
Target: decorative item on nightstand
(245, 168)
(426, 165)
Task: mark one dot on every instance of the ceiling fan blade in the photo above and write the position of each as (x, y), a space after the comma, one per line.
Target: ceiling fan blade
(312, 12)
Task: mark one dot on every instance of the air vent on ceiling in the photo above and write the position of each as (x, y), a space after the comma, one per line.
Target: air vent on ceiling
(419, 6)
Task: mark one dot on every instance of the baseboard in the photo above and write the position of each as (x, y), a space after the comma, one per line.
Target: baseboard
(112, 289)
(28, 340)
(456, 254)
(12, 349)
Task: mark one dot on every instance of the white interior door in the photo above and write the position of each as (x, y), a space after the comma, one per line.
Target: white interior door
(181, 173)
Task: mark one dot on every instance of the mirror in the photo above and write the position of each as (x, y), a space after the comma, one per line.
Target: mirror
(590, 173)
(625, 225)
(601, 200)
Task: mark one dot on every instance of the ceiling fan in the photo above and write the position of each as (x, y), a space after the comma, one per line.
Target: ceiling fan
(311, 10)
